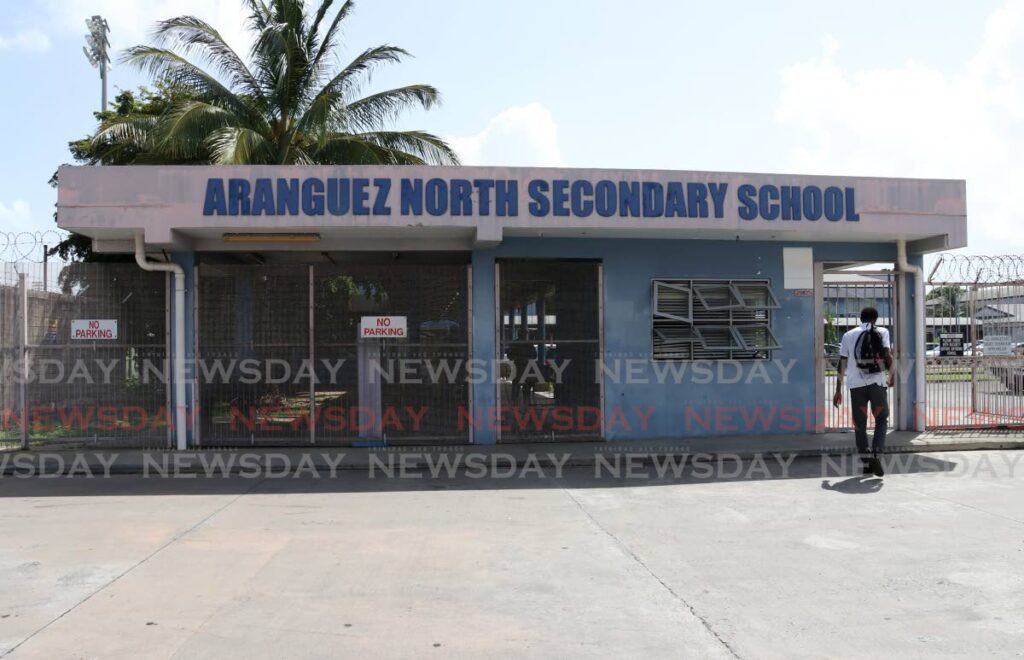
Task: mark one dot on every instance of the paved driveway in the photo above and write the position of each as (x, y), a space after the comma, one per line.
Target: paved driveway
(928, 562)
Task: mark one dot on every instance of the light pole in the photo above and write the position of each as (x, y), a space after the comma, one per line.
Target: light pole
(96, 51)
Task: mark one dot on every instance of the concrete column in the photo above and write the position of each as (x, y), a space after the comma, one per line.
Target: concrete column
(484, 346)
(915, 361)
(908, 364)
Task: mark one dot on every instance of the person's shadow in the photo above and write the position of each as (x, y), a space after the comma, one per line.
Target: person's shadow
(858, 485)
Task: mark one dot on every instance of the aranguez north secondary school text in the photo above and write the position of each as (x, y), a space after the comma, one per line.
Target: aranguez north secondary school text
(579, 198)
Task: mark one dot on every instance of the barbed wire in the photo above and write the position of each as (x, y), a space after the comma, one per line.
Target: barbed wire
(28, 245)
(967, 269)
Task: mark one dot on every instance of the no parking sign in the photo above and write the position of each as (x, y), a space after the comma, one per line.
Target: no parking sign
(94, 329)
(382, 327)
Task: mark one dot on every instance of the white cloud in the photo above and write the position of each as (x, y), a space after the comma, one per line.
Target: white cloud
(914, 120)
(32, 41)
(519, 136)
(17, 217)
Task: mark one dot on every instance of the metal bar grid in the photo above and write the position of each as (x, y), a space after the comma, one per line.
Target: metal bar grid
(549, 314)
(841, 302)
(305, 318)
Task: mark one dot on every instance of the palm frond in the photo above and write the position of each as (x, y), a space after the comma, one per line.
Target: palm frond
(389, 148)
(121, 139)
(348, 79)
(281, 68)
(239, 146)
(133, 130)
(345, 149)
(184, 131)
(329, 102)
(173, 69)
(193, 36)
(373, 111)
(259, 14)
(327, 42)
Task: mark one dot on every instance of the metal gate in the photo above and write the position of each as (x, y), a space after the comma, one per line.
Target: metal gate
(975, 334)
(549, 336)
(279, 361)
(846, 293)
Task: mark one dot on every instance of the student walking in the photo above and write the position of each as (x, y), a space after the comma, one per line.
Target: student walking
(870, 350)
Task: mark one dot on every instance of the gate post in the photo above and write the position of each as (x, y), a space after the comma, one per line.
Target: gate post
(821, 405)
(23, 353)
(484, 346)
(972, 316)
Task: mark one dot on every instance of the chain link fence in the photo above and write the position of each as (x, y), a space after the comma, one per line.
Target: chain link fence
(84, 355)
(975, 358)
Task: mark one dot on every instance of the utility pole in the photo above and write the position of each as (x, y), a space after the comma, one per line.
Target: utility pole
(96, 52)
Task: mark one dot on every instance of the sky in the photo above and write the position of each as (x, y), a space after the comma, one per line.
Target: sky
(908, 88)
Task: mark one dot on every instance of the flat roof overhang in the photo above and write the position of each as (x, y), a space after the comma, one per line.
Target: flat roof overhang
(171, 207)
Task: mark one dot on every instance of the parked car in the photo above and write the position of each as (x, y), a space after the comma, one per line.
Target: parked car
(931, 349)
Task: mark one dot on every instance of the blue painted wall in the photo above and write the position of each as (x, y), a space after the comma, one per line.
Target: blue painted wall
(688, 407)
(749, 406)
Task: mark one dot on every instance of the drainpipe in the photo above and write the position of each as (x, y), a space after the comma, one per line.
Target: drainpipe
(179, 334)
(919, 380)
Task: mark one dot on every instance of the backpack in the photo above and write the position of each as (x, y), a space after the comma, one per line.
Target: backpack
(867, 352)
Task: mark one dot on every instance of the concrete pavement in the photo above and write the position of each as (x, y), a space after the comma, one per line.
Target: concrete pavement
(927, 562)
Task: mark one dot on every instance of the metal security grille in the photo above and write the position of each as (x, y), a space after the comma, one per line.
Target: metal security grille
(400, 391)
(549, 327)
(110, 389)
(280, 362)
(997, 352)
(846, 294)
(253, 332)
(712, 319)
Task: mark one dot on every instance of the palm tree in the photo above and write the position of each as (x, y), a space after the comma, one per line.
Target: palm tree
(285, 106)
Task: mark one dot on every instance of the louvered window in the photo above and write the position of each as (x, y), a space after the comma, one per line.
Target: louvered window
(712, 319)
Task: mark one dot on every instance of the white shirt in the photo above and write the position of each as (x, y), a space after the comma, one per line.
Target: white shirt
(854, 376)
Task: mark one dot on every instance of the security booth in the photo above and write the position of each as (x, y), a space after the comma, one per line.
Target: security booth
(410, 305)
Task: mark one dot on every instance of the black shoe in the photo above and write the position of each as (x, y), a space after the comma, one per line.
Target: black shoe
(876, 468)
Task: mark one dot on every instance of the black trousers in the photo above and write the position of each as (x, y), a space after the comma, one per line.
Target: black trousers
(876, 399)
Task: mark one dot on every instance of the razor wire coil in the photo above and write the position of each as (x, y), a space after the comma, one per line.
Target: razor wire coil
(28, 246)
(966, 269)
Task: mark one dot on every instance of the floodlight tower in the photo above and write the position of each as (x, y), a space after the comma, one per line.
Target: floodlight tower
(96, 51)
